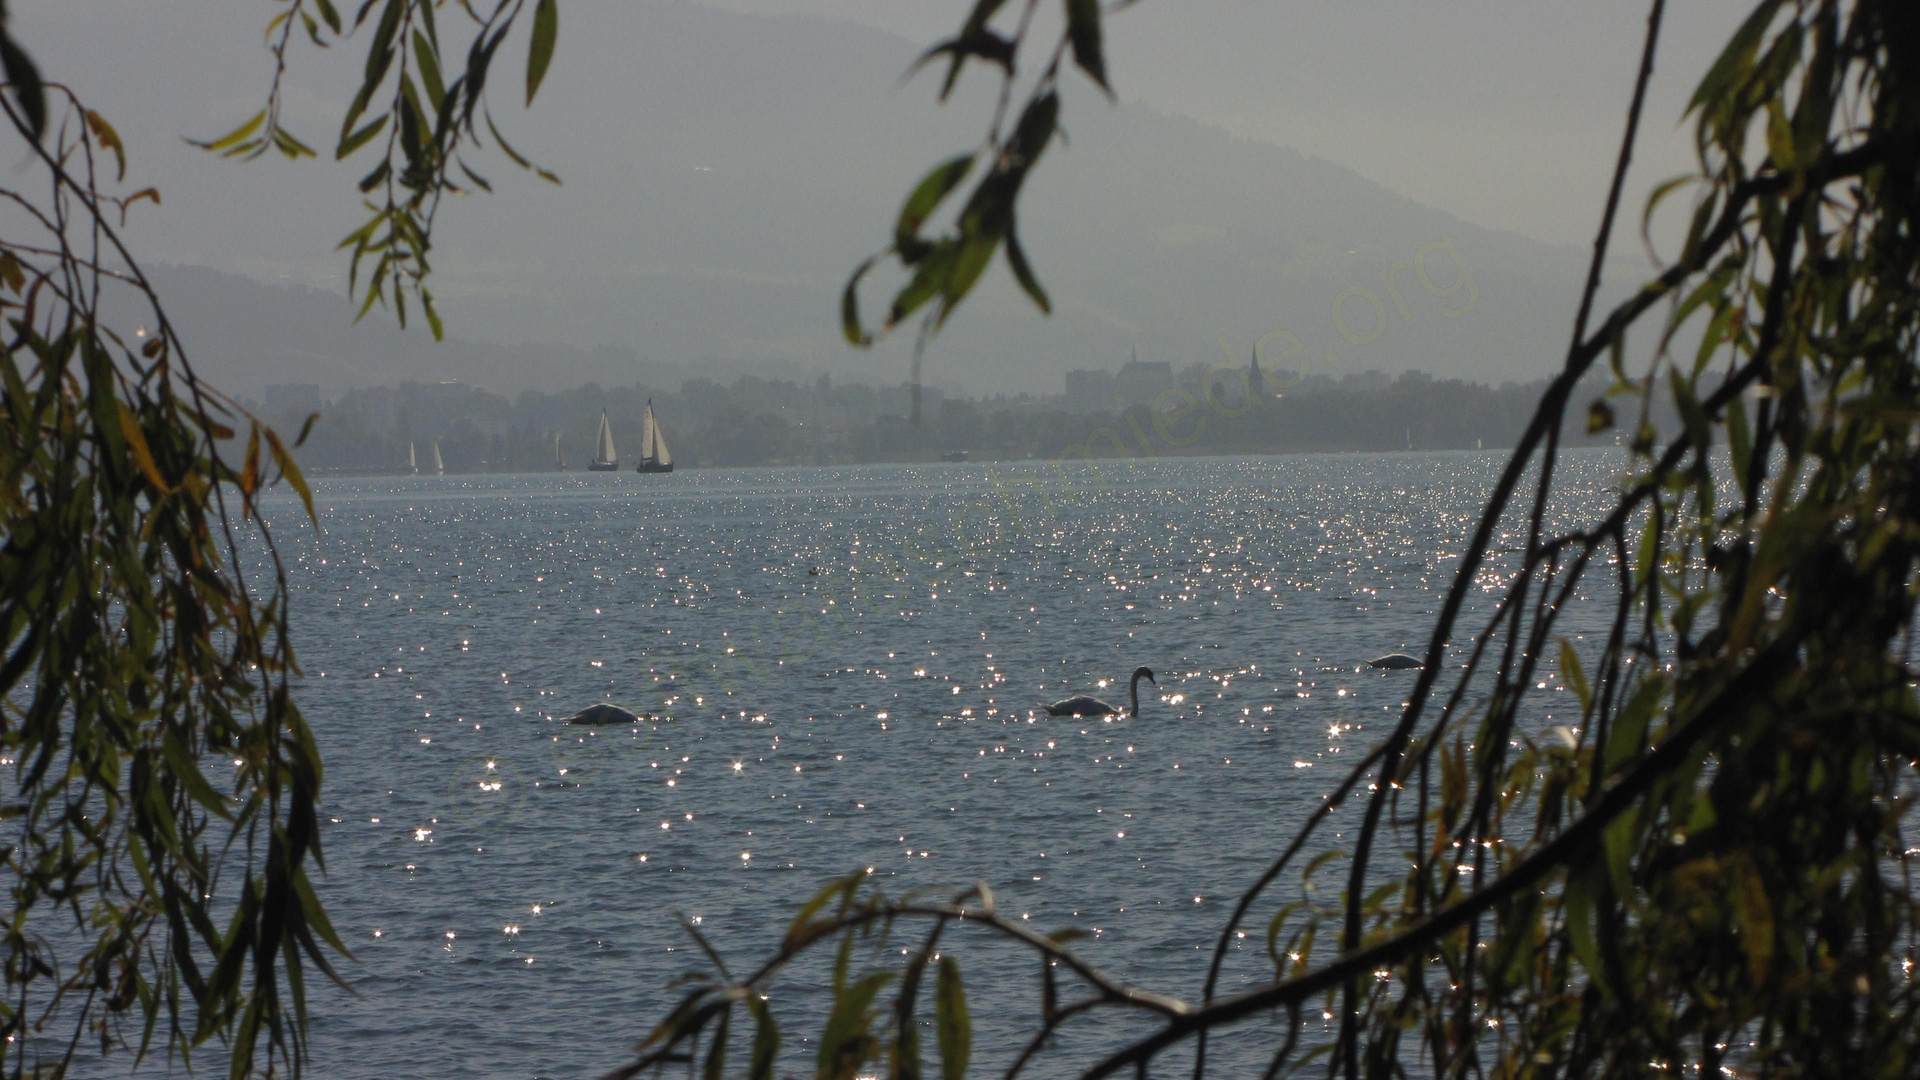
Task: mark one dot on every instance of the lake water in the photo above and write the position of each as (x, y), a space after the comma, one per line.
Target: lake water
(839, 669)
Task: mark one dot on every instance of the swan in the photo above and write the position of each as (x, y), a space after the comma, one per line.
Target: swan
(1088, 705)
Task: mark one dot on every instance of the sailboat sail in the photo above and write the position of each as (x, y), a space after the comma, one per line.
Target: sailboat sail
(559, 457)
(654, 456)
(439, 466)
(604, 457)
(413, 463)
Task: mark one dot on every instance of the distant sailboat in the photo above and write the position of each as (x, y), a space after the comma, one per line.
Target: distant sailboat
(654, 455)
(439, 466)
(604, 459)
(413, 462)
(559, 458)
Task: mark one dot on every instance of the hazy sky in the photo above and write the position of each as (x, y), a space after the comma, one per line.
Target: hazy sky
(1506, 113)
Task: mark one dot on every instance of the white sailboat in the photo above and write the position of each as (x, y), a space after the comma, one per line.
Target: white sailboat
(559, 457)
(604, 459)
(654, 455)
(439, 466)
(413, 462)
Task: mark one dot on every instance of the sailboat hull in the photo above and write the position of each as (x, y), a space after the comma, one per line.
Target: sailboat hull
(653, 466)
(602, 466)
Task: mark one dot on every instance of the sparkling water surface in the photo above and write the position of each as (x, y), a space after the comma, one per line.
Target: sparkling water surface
(836, 669)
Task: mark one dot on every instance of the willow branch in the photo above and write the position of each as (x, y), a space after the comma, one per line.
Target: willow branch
(1577, 838)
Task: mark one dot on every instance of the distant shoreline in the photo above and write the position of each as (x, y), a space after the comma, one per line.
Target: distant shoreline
(361, 474)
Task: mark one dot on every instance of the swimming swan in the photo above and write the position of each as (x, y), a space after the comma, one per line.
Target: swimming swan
(1088, 705)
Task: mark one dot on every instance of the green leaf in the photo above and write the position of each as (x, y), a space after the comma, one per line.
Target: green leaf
(429, 70)
(377, 177)
(1599, 416)
(845, 1043)
(1722, 79)
(23, 78)
(427, 20)
(1697, 228)
(1578, 908)
(973, 41)
(716, 1068)
(136, 441)
(291, 471)
(1314, 864)
(1659, 194)
(766, 1039)
(284, 142)
(1616, 844)
(1712, 290)
(802, 929)
(1780, 144)
(951, 1021)
(929, 280)
(358, 139)
(1739, 438)
(1023, 273)
(1755, 919)
(413, 132)
(1036, 127)
(330, 14)
(316, 914)
(433, 315)
(546, 27)
(684, 1020)
(181, 764)
(1083, 31)
(1629, 730)
(512, 154)
(1574, 674)
(381, 49)
(1453, 781)
(478, 180)
(1514, 944)
(1687, 403)
(926, 197)
(971, 262)
(235, 137)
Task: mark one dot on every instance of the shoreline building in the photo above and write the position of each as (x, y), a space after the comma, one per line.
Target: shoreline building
(1090, 390)
(1141, 381)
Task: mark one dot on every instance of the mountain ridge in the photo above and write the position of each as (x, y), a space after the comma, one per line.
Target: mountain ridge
(709, 223)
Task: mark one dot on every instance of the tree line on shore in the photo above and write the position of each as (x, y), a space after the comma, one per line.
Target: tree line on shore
(760, 421)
